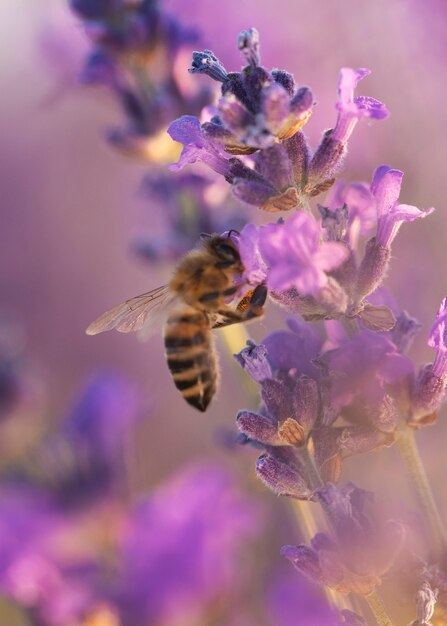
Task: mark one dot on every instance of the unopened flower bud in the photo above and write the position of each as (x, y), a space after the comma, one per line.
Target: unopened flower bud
(282, 478)
(351, 619)
(305, 560)
(206, 62)
(325, 163)
(404, 331)
(277, 398)
(372, 269)
(306, 402)
(259, 428)
(248, 44)
(253, 359)
(428, 394)
(334, 222)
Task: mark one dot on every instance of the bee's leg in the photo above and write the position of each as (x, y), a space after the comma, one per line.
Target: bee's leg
(246, 310)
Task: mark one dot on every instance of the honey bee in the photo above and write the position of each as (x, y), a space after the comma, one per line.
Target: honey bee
(203, 282)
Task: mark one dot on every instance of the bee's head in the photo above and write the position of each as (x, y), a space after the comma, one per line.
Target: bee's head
(223, 247)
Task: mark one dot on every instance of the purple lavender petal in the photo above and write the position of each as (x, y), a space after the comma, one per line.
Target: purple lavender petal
(254, 361)
(275, 102)
(254, 264)
(198, 146)
(389, 224)
(385, 187)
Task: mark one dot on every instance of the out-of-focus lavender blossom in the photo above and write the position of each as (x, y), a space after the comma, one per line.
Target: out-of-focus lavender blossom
(191, 204)
(355, 557)
(13, 384)
(301, 410)
(83, 459)
(261, 113)
(174, 556)
(289, 603)
(181, 548)
(37, 570)
(135, 49)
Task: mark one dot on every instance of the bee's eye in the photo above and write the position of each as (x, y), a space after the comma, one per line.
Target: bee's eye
(226, 252)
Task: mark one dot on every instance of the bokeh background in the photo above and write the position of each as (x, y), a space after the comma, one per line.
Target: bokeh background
(71, 207)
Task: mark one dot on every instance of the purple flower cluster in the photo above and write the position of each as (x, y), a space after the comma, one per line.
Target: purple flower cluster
(355, 557)
(323, 399)
(73, 550)
(135, 47)
(261, 114)
(319, 269)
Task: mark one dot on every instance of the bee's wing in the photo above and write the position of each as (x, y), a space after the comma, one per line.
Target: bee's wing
(134, 314)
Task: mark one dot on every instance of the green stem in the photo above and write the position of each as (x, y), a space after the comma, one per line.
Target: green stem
(410, 454)
(378, 610)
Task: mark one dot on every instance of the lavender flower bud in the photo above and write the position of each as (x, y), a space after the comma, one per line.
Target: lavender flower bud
(428, 395)
(277, 398)
(325, 163)
(298, 152)
(284, 79)
(335, 222)
(253, 359)
(351, 619)
(282, 478)
(305, 560)
(259, 428)
(404, 331)
(248, 44)
(306, 402)
(372, 269)
(206, 62)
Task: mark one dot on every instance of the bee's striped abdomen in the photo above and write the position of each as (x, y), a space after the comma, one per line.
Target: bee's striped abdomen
(190, 355)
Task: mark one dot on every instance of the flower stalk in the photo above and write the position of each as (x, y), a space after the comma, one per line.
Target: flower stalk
(378, 610)
(411, 457)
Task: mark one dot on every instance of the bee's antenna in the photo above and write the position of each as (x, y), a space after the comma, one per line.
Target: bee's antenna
(230, 232)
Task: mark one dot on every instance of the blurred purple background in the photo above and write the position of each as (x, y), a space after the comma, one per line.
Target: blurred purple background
(71, 205)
